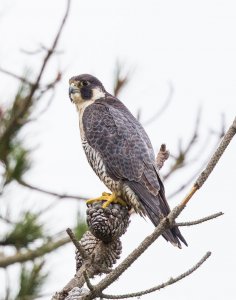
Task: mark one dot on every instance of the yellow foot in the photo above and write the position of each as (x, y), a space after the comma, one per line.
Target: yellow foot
(109, 198)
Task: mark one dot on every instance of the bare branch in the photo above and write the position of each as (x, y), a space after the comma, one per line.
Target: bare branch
(21, 257)
(199, 221)
(163, 108)
(58, 195)
(50, 86)
(54, 44)
(27, 102)
(88, 282)
(120, 80)
(6, 219)
(200, 152)
(183, 186)
(212, 163)
(180, 160)
(220, 133)
(163, 285)
(76, 243)
(33, 52)
(22, 79)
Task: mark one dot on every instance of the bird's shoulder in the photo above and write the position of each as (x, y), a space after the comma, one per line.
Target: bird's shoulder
(112, 112)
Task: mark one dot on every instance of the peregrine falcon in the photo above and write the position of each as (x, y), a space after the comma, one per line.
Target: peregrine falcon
(120, 152)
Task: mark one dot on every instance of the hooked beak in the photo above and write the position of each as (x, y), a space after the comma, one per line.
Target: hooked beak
(72, 90)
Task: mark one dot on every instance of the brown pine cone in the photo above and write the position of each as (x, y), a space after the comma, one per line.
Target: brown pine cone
(107, 224)
(105, 254)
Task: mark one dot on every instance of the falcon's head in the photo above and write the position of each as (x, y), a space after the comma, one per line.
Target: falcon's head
(85, 87)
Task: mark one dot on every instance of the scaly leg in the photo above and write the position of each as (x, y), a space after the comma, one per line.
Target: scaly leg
(109, 198)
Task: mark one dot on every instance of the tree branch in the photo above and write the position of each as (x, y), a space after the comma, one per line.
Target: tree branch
(163, 108)
(120, 80)
(180, 160)
(212, 163)
(20, 78)
(199, 221)
(58, 195)
(21, 257)
(29, 98)
(76, 243)
(89, 284)
(160, 286)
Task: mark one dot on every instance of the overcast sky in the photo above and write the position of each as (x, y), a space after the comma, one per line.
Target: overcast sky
(190, 44)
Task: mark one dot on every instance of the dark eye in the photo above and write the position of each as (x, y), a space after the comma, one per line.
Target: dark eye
(84, 83)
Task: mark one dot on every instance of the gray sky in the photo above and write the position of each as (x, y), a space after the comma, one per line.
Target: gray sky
(188, 43)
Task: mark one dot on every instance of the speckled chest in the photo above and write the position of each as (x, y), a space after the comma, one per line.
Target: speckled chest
(95, 160)
(97, 163)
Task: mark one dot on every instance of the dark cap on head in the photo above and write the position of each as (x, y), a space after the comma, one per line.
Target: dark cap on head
(87, 77)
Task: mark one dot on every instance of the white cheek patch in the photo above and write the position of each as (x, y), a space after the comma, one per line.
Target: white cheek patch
(97, 94)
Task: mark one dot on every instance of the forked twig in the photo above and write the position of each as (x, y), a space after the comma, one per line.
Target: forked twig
(199, 221)
(76, 243)
(212, 163)
(163, 108)
(163, 285)
(55, 194)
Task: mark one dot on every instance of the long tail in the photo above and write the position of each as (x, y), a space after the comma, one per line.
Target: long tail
(172, 235)
(156, 207)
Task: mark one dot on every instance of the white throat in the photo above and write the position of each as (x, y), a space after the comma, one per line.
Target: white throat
(81, 104)
(79, 101)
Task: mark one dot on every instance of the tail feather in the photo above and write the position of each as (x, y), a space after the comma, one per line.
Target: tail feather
(156, 207)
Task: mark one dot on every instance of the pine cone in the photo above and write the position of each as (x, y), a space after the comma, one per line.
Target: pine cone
(105, 254)
(107, 224)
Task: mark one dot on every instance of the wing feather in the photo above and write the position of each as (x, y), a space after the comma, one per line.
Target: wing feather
(128, 155)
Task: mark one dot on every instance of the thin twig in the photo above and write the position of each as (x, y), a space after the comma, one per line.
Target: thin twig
(160, 286)
(120, 81)
(54, 44)
(163, 108)
(76, 243)
(88, 282)
(111, 277)
(182, 187)
(47, 208)
(7, 220)
(58, 195)
(212, 163)
(33, 52)
(180, 160)
(21, 78)
(199, 221)
(50, 86)
(29, 98)
(194, 176)
(21, 257)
